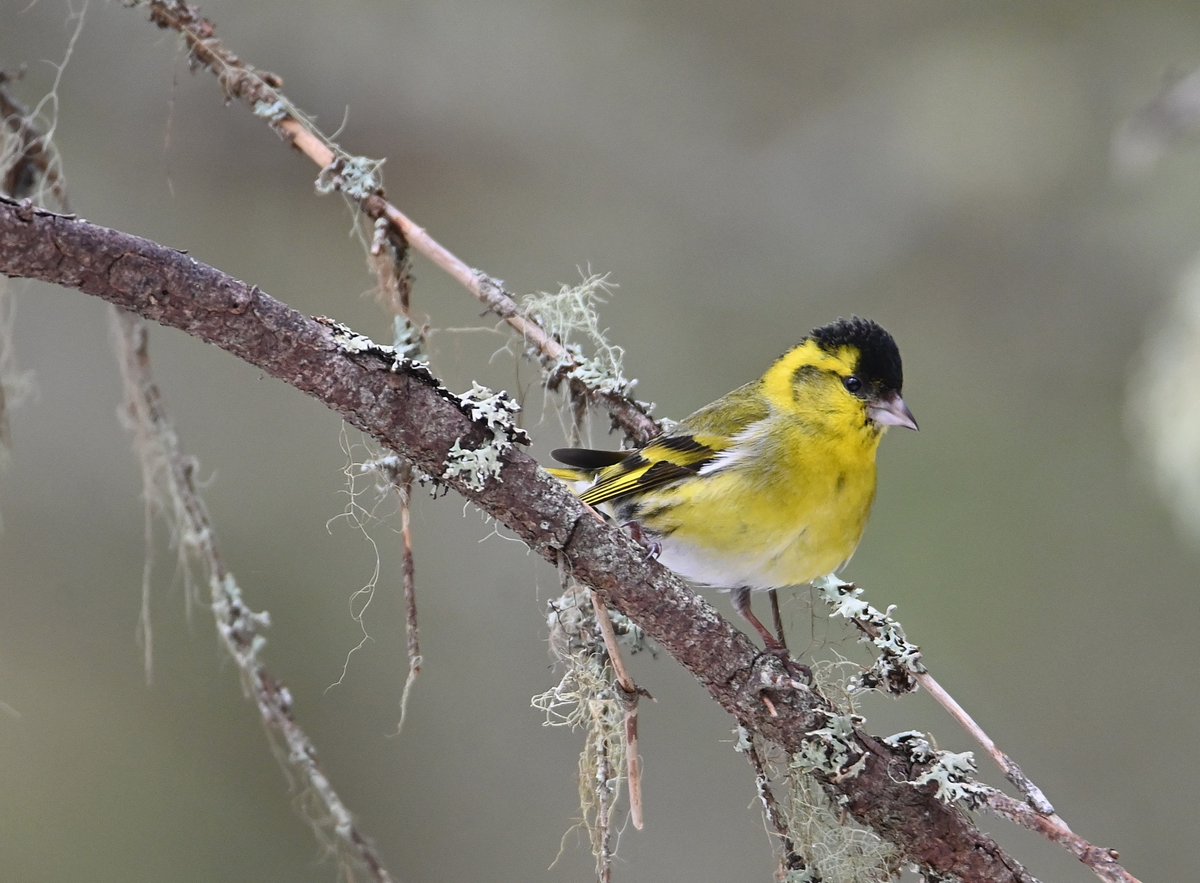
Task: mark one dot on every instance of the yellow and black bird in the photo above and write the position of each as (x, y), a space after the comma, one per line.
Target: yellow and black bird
(770, 485)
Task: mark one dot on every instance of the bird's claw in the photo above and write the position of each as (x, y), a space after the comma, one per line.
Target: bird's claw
(638, 535)
(773, 673)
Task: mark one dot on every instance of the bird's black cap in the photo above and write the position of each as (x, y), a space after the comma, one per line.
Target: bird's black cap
(879, 357)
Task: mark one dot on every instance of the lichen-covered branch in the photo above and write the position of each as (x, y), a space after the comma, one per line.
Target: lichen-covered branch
(899, 669)
(28, 166)
(400, 404)
(239, 627)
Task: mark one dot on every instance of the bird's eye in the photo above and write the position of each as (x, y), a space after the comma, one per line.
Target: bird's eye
(853, 384)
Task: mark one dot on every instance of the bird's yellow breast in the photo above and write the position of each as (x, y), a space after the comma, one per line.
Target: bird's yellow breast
(784, 507)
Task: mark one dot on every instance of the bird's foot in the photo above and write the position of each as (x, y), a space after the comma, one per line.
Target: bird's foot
(638, 535)
(794, 667)
(775, 674)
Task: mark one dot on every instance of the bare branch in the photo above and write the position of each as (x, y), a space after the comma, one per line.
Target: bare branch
(633, 761)
(1105, 862)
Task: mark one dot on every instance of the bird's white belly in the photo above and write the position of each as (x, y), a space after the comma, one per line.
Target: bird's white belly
(790, 563)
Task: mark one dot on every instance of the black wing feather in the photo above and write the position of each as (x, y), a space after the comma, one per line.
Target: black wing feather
(583, 458)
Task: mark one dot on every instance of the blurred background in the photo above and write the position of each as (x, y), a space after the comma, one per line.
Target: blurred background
(743, 173)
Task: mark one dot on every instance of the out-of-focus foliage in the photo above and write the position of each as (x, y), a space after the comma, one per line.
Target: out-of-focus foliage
(1164, 402)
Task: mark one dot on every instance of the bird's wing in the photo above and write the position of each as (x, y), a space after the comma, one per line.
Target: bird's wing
(586, 459)
(730, 415)
(664, 460)
(679, 454)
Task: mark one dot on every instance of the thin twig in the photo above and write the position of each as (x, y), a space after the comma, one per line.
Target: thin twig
(1007, 765)
(901, 669)
(389, 260)
(413, 631)
(1102, 861)
(240, 628)
(604, 775)
(873, 624)
(402, 482)
(261, 91)
(789, 860)
(633, 760)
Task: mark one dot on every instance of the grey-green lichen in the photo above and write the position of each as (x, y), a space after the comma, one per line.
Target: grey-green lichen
(474, 465)
(832, 848)
(573, 312)
(832, 749)
(492, 411)
(742, 743)
(899, 662)
(953, 773)
(240, 626)
(406, 338)
(356, 176)
(587, 697)
(272, 111)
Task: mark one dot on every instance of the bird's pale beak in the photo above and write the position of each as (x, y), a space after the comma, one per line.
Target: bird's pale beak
(892, 411)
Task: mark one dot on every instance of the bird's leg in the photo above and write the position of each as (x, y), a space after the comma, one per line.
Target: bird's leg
(653, 547)
(741, 603)
(778, 618)
(775, 650)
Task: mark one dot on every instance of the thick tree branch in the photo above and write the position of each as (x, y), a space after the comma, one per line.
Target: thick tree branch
(403, 407)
